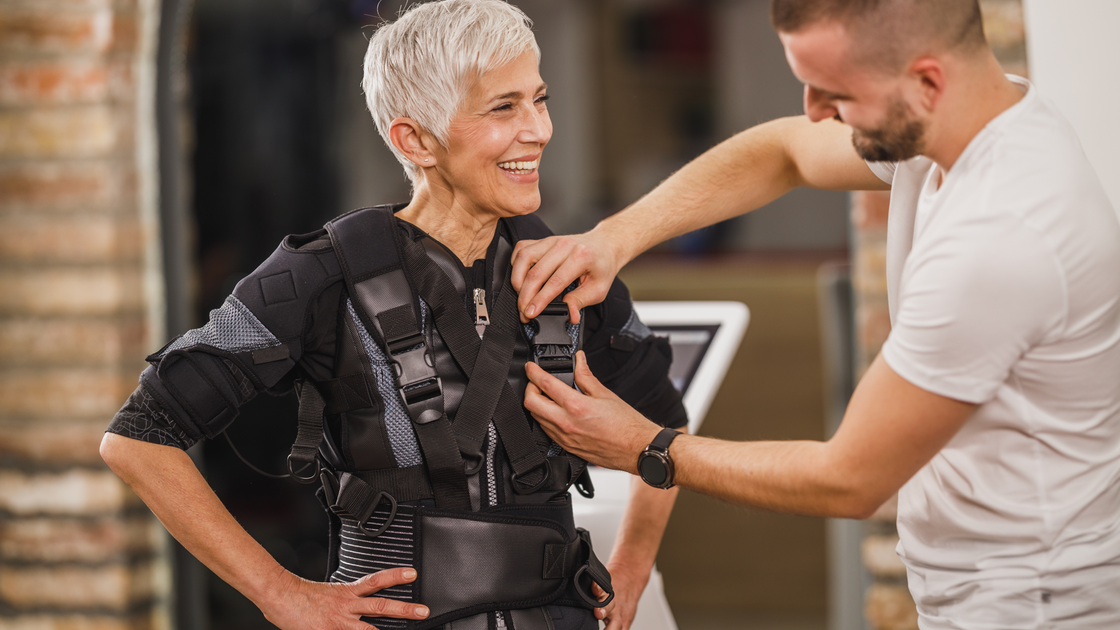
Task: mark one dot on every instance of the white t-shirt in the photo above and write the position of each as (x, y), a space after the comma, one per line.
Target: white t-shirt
(1004, 290)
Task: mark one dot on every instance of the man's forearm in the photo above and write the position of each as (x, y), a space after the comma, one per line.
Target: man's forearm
(794, 477)
(745, 172)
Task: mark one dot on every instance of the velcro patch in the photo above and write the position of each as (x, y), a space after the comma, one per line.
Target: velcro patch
(278, 288)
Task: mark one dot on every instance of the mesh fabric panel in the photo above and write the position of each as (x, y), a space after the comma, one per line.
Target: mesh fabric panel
(232, 328)
(402, 437)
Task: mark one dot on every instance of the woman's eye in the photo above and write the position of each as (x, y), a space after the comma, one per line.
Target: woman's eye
(504, 106)
(542, 98)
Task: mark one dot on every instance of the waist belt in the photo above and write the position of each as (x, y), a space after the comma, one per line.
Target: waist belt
(469, 563)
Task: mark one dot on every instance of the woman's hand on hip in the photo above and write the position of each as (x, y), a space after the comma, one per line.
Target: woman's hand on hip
(306, 605)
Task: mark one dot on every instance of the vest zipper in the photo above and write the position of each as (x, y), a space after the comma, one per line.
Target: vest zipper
(481, 317)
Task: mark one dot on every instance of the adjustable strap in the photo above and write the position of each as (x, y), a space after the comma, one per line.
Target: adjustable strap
(577, 560)
(305, 449)
(387, 307)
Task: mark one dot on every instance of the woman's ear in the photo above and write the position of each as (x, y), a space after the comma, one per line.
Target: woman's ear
(411, 140)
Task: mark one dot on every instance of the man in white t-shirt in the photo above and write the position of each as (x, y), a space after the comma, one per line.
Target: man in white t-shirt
(995, 403)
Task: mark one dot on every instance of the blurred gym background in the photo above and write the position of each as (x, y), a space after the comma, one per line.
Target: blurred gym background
(152, 152)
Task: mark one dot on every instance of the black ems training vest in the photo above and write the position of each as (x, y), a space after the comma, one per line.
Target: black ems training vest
(426, 456)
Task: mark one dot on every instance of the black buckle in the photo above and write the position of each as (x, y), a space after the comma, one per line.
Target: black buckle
(312, 478)
(419, 382)
(519, 489)
(399, 344)
(388, 520)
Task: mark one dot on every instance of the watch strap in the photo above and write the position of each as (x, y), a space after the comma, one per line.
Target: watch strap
(664, 439)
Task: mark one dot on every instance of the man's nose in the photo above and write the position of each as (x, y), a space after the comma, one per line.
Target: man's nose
(817, 106)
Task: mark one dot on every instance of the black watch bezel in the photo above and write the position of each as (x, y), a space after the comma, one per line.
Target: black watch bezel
(658, 451)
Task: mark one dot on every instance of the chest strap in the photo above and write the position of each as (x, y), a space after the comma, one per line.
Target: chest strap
(486, 364)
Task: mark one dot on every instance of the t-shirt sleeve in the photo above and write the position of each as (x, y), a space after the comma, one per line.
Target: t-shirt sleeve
(971, 306)
(883, 170)
(632, 362)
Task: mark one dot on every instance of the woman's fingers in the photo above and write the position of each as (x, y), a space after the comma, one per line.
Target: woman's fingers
(381, 580)
(382, 606)
(385, 607)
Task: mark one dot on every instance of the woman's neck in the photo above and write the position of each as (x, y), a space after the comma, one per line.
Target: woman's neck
(467, 234)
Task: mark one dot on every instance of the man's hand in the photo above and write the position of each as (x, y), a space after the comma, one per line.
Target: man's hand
(303, 604)
(595, 425)
(542, 269)
(629, 584)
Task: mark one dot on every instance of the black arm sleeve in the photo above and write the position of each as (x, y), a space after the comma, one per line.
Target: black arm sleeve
(273, 320)
(627, 358)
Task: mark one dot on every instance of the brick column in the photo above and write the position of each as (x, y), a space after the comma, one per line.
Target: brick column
(78, 298)
(888, 605)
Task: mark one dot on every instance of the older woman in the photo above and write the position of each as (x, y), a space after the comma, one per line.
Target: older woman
(398, 326)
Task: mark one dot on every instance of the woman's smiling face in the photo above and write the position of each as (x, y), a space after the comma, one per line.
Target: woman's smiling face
(494, 143)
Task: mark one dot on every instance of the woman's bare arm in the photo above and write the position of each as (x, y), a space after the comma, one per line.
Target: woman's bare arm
(170, 484)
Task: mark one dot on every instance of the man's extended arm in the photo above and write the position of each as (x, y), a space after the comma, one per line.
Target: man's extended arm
(890, 430)
(170, 484)
(740, 174)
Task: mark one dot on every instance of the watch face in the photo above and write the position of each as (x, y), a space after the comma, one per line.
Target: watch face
(653, 470)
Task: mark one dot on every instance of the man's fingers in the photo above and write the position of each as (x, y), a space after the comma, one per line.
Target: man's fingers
(542, 407)
(547, 257)
(523, 260)
(555, 389)
(585, 379)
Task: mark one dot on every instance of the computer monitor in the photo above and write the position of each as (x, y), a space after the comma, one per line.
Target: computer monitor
(705, 337)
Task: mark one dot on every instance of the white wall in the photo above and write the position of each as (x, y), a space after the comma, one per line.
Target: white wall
(1074, 56)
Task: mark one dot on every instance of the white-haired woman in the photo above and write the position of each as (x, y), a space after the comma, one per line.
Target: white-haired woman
(448, 505)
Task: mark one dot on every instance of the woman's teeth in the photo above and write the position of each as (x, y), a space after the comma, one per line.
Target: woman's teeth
(521, 168)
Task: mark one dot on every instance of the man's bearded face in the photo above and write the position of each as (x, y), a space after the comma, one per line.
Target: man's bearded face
(899, 137)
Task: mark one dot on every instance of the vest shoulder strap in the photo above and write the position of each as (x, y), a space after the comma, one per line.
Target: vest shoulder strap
(368, 246)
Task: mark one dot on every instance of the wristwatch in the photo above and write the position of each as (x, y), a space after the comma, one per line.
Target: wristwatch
(654, 464)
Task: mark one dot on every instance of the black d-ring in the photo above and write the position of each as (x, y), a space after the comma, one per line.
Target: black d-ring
(388, 520)
(519, 489)
(591, 601)
(472, 463)
(312, 478)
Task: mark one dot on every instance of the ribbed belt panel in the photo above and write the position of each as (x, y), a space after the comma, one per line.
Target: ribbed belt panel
(359, 555)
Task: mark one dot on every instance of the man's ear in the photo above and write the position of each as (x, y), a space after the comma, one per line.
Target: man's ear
(412, 141)
(929, 76)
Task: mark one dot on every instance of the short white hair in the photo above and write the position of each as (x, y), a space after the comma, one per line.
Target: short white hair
(422, 65)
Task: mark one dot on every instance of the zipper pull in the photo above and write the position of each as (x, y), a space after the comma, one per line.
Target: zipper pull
(481, 318)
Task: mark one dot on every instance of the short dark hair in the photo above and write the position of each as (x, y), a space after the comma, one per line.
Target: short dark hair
(890, 32)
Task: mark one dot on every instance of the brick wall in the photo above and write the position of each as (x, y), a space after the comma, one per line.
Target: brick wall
(78, 300)
(888, 605)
